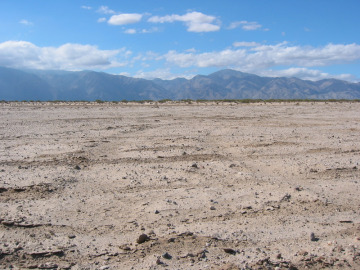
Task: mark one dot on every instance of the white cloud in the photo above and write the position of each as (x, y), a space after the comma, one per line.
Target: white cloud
(305, 74)
(161, 73)
(209, 59)
(191, 50)
(101, 20)
(105, 10)
(195, 21)
(245, 25)
(25, 22)
(245, 44)
(130, 31)
(86, 7)
(125, 18)
(267, 56)
(23, 54)
(150, 30)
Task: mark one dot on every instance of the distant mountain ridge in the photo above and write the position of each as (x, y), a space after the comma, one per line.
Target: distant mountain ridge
(224, 84)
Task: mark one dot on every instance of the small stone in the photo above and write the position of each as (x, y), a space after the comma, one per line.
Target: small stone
(167, 256)
(48, 265)
(286, 198)
(71, 236)
(125, 247)
(230, 251)
(212, 208)
(313, 238)
(142, 239)
(158, 261)
(77, 167)
(194, 165)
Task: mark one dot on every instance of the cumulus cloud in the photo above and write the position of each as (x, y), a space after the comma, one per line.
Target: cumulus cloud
(305, 74)
(263, 58)
(125, 18)
(195, 21)
(23, 54)
(245, 25)
(245, 44)
(105, 10)
(266, 56)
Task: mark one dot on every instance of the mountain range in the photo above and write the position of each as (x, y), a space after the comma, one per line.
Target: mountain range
(16, 84)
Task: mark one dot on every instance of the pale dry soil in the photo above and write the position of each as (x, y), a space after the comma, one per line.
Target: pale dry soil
(208, 186)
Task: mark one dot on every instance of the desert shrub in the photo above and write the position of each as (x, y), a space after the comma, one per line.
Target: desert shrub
(164, 100)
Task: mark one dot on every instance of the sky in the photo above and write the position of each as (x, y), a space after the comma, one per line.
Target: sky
(308, 39)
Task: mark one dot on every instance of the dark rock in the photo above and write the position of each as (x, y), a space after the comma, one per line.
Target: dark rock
(171, 240)
(142, 239)
(212, 208)
(230, 251)
(77, 167)
(313, 237)
(346, 221)
(194, 165)
(167, 256)
(286, 198)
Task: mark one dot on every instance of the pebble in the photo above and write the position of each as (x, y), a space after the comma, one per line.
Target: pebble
(167, 256)
(48, 265)
(312, 237)
(230, 251)
(142, 238)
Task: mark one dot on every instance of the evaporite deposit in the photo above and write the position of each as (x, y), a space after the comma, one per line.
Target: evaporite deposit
(180, 186)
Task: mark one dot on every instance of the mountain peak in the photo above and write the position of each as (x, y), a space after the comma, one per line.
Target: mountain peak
(229, 73)
(223, 84)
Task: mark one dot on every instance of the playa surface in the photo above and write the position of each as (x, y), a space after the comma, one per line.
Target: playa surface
(180, 186)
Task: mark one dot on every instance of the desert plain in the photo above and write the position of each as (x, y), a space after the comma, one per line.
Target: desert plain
(210, 185)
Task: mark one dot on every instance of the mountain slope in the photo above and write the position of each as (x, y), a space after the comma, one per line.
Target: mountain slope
(223, 84)
(20, 85)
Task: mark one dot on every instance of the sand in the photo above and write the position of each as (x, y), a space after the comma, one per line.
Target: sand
(180, 186)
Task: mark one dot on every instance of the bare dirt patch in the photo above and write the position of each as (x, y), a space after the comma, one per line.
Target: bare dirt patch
(179, 186)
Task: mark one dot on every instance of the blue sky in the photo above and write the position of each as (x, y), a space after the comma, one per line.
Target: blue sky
(309, 39)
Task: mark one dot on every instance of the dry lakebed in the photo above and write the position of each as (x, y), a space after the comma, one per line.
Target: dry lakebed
(210, 185)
